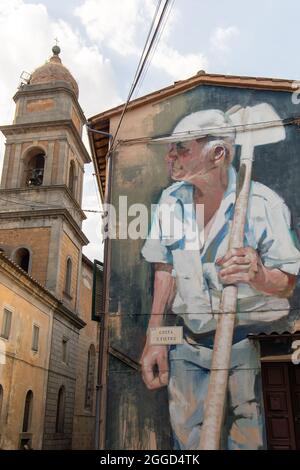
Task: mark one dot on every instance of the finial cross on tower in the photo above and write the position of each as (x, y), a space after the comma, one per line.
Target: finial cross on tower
(56, 48)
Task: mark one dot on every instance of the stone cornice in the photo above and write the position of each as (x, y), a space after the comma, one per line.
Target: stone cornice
(69, 315)
(47, 213)
(52, 187)
(12, 129)
(34, 288)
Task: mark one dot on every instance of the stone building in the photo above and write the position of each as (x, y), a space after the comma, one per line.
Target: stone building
(26, 323)
(41, 232)
(137, 417)
(85, 399)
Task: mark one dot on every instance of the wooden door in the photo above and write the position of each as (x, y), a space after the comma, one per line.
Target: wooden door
(295, 395)
(278, 405)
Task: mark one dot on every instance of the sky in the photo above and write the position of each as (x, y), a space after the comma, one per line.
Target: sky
(101, 42)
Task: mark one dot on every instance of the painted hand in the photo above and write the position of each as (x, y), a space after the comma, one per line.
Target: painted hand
(155, 367)
(240, 265)
(245, 265)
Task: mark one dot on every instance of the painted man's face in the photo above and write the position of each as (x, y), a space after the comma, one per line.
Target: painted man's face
(187, 159)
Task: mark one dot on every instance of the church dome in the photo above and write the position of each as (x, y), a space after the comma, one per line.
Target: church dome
(53, 71)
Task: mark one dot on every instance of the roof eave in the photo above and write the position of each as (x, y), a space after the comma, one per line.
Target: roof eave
(201, 79)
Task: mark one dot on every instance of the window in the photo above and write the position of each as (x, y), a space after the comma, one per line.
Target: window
(27, 411)
(90, 378)
(35, 170)
(71, 182)
(6, 324)
(35, 338)
(97, 295)
(60, 411)
(65, 350)
(68, 279)
(22, 258)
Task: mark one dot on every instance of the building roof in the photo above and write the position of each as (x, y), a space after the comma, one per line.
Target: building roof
(52, 71)
(8, 266)
(100, 144)
(87, 261)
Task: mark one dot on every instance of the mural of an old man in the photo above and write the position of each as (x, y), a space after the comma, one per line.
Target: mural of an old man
(193, 264)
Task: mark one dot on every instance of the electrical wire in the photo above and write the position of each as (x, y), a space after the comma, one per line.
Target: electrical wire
(215, 130)
(146, 139)
(146, 43)
(209, 312)
(141, 65)
(153, 50)
(242, 127)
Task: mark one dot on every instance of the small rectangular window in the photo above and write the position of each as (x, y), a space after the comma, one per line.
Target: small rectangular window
(65, 350)
(6, 324)
(35, 338)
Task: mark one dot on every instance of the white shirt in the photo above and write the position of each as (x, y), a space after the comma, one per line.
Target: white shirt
(181, 244)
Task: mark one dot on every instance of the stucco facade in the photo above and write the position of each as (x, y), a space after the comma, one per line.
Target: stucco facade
(21, 368)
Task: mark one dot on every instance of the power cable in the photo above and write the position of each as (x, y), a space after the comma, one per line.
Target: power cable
(147, 139)
(154, 49)
(196, 133)
(146, 42)
(141, 67)
(215, 130)
(212, 313)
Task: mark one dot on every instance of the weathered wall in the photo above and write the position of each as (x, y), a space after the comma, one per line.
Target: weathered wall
(34, 239)
(84, 418)
(138, 418)
(68, 249)
(22, 369)
(61, 374)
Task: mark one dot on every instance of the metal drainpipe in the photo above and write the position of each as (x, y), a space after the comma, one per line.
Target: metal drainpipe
(101, 387)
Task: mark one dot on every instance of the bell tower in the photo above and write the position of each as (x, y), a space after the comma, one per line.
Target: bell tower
(42, 178)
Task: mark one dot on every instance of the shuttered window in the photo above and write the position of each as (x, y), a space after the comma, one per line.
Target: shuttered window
(98, 297)
(35, 338)
(6, 324)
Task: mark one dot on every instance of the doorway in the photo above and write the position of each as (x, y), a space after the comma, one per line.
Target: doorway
(281, 389)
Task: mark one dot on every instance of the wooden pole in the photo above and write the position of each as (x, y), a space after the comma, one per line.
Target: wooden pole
(214, 409)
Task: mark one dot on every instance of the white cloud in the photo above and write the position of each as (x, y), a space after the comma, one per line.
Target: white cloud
(27, 33)
(178, 66)
(221, 39)
(123, 26)
(94, 250)
(92, 226)
(115, 23)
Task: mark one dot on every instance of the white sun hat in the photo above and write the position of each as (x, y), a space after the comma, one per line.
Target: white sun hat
(209, 122)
